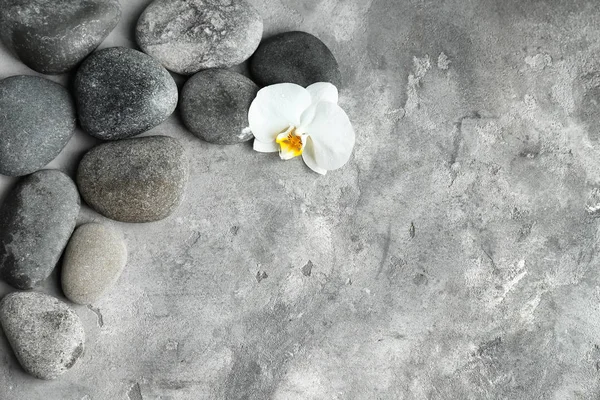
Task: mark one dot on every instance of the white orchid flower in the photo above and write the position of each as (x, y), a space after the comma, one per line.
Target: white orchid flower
(296, 121)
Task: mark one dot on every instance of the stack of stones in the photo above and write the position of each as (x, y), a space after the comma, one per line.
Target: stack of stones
(118, 93)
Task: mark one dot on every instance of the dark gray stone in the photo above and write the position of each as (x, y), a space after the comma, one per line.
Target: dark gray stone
(214, 106)
(44, 332)
(36, 221)
(93, 261)
(295, 57)
(37, 119)
(190, 35)
(135, 180)
(122, 92)
(53, 36)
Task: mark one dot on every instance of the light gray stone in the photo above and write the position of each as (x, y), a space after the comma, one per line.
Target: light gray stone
(37, 119)
(53, 36)
(36, 221)
(190, 35)
(121, 92)
(134, 180)
(215, 103)
(45, 333)
(92, 263)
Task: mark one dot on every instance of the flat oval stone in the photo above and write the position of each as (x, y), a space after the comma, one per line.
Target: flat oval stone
(44, 332)
(93, 261)
(36, 219)
(190, 35)
(37, 119)
(295, 57)
(134, 180)
(122, 92)
(53, 36)
(215, 103)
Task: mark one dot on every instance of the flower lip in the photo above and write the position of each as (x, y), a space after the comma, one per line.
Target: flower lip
(290, 142)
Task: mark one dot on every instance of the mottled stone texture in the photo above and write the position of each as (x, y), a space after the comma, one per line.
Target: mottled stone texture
(36, 221)
(53, 36)
(134, 180)
(37, 119)
(121, 92)
(214, 106)
(92, 263)
(45, 334)
(456, 256)
(190, 35)
(296, 57)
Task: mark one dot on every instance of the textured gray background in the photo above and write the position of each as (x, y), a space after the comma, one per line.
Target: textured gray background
(479, 123)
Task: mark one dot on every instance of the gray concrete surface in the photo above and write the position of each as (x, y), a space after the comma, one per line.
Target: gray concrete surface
(454, 257)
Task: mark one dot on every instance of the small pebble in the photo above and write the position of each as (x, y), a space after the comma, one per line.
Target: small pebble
(53, 36)
(214, 106)
(134, 180)
(36, 220)
(295, 57)
(44, 332)
(187, 36)
(37, 119)
(92, 263)
(122, 92)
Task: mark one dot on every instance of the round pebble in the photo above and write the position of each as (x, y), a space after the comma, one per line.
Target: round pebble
(214, 106)
(45, 333)
(190, 35)
(36, 220)
(122, 92)
(295, 57)
(37, 119)
(53, 36)
(92, 263)
(134, 180)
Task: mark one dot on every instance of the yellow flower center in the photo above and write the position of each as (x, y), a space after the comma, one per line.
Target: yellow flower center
(290, 143)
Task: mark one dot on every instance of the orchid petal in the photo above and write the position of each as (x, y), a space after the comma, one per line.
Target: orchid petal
(275, 109)
(331, 133)
(308, 155)
(323, 91)
(265, 147)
